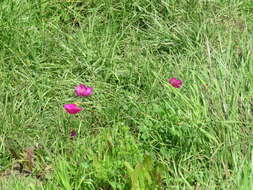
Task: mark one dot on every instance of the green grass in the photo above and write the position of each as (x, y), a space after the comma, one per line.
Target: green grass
(136, 131)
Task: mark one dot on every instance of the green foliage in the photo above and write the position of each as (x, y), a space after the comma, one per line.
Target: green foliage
(246, 175)
(145, 175)
(97, 162)
(201, 133)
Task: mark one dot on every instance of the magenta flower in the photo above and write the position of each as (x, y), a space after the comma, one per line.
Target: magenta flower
(83, 90)
(175, 82)
(72, 108)
(73, 134)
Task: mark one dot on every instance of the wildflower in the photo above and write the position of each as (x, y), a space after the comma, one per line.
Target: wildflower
(73, 134)
(83, 90)
(72, 108)
(175, 82)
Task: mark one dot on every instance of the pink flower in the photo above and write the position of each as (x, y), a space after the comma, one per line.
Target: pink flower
(175, 82)
(83, 90)
(72, 108)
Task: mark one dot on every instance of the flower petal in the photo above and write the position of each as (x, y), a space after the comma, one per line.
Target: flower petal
(83, 90)
(176, 83)
(72, 108)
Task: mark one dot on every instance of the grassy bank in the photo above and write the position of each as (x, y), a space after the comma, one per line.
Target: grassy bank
(136, 131)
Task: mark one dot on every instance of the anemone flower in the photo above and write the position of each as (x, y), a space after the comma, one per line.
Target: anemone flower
(83, 90)
(72, 108)
(175, 82)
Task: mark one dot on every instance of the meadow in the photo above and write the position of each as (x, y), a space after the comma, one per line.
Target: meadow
(136, 131)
